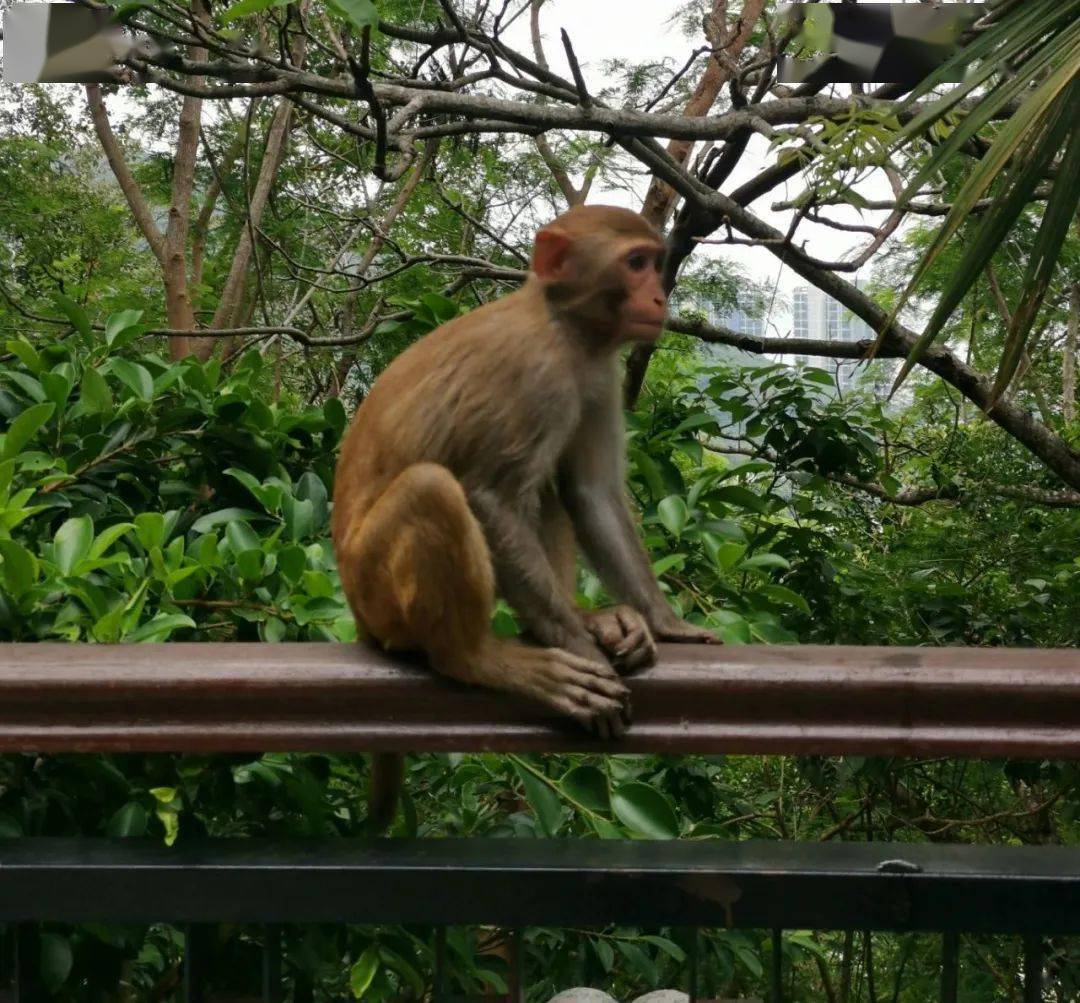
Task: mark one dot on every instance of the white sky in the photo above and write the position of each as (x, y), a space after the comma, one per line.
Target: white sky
(641, 30)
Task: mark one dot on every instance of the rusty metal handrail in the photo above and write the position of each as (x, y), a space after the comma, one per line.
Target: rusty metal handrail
(236, 697)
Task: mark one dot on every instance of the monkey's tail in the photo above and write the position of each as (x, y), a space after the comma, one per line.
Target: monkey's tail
(387, 776)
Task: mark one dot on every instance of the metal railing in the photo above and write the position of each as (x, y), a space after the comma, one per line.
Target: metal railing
(792, 700)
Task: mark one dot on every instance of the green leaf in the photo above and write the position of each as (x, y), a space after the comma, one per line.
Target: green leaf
(544, 801)
(364, 971)
(159, 628)
(246, 7)
(726, 555)
(24, 428)
(269, 495)
(673, 513)
(20, 567)
(644, 811)
(695, 421)
(240, 537)
(120, 322)
(74, 313)
(250, 564)
(150, 529)
(56, 960)
(273, 630)
(784, 596)
(736, 494)
(25, 353)
(292, 561)
(765, 561)
(57, 384)
(334, 413)
(588, 786)
(222, 517)
(669, 947)
(311, 488)
(442, 308)
(134, 376)
(665, 564)
(29, 386)
(107, 537)
(299, 514)
(72, 543)
(128, 820)
(95, 393)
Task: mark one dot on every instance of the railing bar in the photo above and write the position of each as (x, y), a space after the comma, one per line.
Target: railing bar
(694, 957)
(1033, 969)
(950, 967)
(194, 963)
(271, 964)
(517, 974)
(776, 981)
(440, 964)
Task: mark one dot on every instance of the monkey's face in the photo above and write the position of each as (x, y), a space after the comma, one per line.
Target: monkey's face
(644, 308)
(601, 268)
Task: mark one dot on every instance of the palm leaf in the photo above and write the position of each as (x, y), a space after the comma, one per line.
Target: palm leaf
(1060, 212)
(1039, 41)
(996, 223)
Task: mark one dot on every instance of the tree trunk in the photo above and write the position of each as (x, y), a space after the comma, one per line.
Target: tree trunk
(232, 294)
(729, 45)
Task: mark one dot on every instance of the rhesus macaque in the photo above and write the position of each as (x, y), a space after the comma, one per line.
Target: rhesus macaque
(483, 454)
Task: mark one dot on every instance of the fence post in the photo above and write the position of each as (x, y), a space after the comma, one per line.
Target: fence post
(950, 966)
(1033, 966)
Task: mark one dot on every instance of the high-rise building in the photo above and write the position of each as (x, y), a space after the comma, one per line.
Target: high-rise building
(817, 316)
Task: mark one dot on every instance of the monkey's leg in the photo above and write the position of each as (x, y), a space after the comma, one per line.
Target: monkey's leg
(424, 581)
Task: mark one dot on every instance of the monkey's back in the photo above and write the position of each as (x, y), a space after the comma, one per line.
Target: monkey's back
(484, 395)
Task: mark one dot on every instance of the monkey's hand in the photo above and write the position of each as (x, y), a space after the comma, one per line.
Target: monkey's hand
(668, 627)
(623, 635)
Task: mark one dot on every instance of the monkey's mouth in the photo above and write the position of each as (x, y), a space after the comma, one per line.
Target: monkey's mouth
(644, 329)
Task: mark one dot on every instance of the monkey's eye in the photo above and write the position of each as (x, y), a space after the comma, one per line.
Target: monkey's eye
(638, 261)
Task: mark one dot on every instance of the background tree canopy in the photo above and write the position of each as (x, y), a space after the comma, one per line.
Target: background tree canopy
(202, 271)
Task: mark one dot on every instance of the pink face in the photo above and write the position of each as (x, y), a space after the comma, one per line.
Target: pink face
(645, 309)
(638, 268)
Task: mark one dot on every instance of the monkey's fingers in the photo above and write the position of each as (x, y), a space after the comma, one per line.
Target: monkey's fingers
(637, 648)
(682, 632)
(598, 675)
(594, 712)
(606, 629)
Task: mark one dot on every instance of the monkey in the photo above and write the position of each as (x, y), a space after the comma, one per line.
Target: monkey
(481, 459)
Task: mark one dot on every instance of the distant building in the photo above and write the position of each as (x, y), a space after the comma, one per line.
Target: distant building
(733, 318)
(817, 316)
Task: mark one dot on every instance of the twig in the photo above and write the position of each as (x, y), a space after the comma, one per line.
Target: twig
(575, 68)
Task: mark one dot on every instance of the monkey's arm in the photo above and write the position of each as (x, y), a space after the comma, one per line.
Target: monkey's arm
(594, 495)
(526, 578)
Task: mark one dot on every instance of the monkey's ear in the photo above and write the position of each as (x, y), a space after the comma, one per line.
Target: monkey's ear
(549, 254)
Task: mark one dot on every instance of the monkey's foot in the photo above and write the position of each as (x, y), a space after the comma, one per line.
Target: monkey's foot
(623, 635)
(590, 692)
(671, 628)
